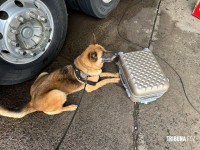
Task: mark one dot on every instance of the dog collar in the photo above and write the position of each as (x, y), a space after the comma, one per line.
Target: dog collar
(82, 76)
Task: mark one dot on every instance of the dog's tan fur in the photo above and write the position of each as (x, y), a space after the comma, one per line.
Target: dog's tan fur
(49, 91)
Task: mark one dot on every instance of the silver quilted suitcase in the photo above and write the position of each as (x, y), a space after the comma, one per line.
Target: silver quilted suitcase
(142, 76)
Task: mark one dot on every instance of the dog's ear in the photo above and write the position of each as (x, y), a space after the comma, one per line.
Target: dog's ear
(93, 56)
(93, 41)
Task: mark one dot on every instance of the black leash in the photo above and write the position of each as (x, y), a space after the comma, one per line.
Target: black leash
(65, 133)
(86, 82)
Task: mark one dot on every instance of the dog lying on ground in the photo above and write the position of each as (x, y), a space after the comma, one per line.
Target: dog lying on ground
(49, 91)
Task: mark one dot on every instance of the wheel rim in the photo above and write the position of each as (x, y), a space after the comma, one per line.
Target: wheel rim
(107, 1)
(26, 30)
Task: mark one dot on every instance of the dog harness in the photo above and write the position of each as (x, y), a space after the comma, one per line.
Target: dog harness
(82, 76)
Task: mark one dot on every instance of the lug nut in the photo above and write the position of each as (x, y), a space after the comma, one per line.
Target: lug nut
(48, 29)
(21, 52)
(41, 18)
(26, 45)
(20, 19)
(33, 54)
(42, 48)
(32, 15)
(14, 30)
(47, 40)
(14, 43)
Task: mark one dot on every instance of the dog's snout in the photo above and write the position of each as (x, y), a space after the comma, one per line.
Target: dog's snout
(109, 56)
(106, 54)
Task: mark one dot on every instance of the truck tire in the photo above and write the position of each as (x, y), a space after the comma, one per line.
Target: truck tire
(31, 35)
(73, 4)
(96, 8)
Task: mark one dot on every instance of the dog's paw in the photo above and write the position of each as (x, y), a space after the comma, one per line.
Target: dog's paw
(89, 88)
(116, 75)
(73, 107)
(115, 80)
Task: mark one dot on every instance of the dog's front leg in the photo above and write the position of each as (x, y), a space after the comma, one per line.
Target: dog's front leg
(108, 74)
(90, 88)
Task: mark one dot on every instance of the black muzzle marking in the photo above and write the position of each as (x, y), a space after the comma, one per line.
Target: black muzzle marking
(109, 56)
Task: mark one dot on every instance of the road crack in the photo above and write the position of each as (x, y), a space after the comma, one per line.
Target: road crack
(136, 132)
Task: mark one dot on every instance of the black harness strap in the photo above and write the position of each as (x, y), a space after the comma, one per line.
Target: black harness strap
(82, 79)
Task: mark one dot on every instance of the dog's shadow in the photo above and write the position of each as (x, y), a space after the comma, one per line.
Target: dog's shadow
(15, 96)
(73, 98)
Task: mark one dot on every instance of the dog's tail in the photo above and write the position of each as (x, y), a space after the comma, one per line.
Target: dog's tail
(16, 113)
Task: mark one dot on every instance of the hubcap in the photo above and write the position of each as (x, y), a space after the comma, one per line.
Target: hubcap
(27, 32)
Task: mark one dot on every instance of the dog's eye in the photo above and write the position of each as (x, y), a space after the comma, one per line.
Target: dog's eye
(93, 56)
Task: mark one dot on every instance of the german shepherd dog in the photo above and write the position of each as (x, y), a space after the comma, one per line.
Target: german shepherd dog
(49, 91)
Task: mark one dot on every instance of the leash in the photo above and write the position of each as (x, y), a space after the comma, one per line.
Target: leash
(65, 132)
